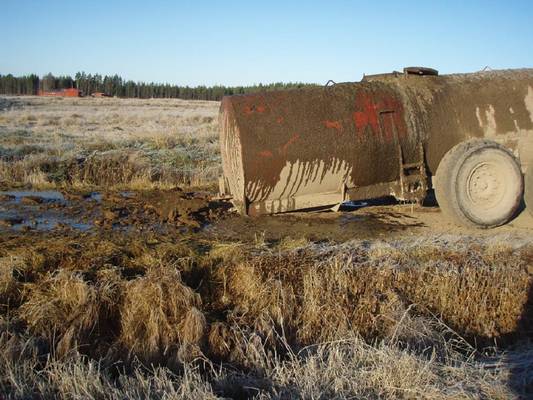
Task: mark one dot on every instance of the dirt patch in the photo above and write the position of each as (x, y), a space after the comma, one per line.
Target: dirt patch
(323, 226)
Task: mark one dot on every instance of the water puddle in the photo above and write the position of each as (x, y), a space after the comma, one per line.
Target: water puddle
(43, 223)
(23, 210)
(35, 197)
(96, 196)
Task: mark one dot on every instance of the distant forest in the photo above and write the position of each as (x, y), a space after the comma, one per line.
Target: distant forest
(116, 86)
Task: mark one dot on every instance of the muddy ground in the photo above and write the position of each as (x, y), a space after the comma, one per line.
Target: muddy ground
(178, 213)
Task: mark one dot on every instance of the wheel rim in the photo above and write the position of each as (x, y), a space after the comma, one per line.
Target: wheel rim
(486, 185)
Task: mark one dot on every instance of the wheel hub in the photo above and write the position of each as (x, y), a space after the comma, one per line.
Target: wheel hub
(485, 185)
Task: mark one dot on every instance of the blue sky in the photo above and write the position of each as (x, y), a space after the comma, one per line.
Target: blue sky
(245, 42)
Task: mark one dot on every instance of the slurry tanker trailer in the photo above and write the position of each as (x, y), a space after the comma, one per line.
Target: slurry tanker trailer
(467, 136)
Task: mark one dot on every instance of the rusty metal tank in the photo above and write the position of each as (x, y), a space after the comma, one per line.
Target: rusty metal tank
(302, 148)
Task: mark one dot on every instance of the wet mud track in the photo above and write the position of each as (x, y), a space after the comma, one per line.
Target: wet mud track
(177, 214)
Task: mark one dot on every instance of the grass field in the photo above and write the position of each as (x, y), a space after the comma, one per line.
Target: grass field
(87, 142)
(293, 307)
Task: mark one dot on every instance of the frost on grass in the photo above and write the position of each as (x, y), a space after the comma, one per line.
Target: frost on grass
(127, 143)
(433, 317)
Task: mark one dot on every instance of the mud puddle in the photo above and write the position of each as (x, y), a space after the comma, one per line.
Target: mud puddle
(36, 197)
(177, 211)
(156, 211)
(24, 221)
(37, 210)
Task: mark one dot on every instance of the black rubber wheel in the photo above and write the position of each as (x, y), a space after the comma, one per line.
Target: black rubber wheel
(528, 192)
(479, 184)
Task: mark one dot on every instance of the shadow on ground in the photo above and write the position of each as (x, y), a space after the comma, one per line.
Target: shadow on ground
(521, 364)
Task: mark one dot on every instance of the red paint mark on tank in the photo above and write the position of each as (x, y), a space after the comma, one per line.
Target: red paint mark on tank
(394, 108)
(266, 153)
(382, 117)
(333, 125)
(361, 120)
(254, 108)
(283, 149)
(366, 114)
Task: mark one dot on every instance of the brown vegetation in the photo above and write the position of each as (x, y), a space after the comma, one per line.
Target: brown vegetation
(414, 314)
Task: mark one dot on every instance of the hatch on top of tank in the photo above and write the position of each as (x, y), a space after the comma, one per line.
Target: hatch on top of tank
(419, 71)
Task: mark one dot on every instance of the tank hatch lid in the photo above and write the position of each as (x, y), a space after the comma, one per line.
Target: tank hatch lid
(420, 71)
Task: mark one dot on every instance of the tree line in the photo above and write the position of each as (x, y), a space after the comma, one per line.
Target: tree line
(114, 85)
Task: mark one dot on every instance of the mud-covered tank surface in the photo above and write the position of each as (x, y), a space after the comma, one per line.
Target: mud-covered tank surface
(448, 109)
(299, 148)
(313, 140)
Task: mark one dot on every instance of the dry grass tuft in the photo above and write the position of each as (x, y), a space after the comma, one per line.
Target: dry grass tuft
(159, 314)
(58, 303)
(338, 300)
(193, 327)
(354, 369)
(221, 340)
(261, 297)
(328, 295)
(228, 252)
(10, 288)
(25, 373)
(69, 311)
